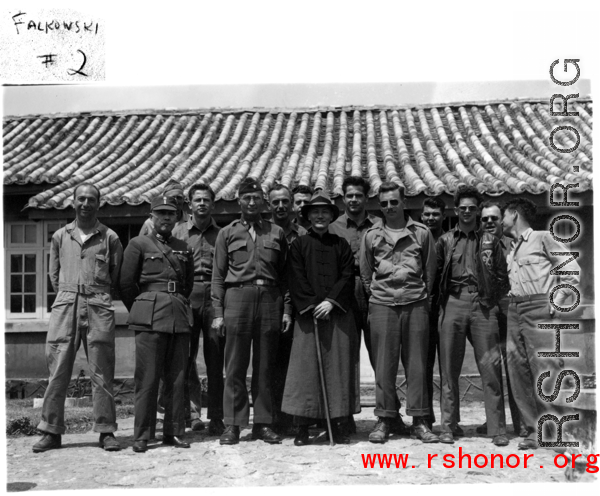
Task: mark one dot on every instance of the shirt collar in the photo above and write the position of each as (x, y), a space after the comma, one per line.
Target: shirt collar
(160, 237)
(458, 232)
(527, 233)
(72, 225)
(258, 223)
(370, 218)
(409, 222)
(191, 225)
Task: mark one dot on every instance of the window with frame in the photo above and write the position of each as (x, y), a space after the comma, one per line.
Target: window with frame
(29, 294)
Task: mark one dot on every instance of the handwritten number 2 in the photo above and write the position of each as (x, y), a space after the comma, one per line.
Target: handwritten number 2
(72, 72)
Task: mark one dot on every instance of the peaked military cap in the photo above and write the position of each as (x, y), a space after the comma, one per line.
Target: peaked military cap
(164, 203)
(249, 185)
(320, 199)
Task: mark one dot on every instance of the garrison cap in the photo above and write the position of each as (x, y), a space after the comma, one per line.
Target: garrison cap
(171, 185)
(164, 203)
(249, 185)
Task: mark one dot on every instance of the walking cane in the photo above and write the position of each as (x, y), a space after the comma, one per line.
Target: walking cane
(323, 385)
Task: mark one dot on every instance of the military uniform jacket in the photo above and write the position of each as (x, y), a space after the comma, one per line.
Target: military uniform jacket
(398, 272)
(144, 263)
(239, 259)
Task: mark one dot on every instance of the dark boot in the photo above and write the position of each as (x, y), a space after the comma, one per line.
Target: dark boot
(48, 442)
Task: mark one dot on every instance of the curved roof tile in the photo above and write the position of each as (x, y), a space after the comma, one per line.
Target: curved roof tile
(497, 148)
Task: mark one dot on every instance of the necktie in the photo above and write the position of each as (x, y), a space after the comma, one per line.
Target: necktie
(252, 231)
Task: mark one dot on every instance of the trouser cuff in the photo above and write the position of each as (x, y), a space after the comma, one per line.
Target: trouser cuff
(417, 412)
(51, 429)
(105, 428)
(385, 413)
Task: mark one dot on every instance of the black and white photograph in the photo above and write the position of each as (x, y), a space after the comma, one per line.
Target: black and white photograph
(290, 274)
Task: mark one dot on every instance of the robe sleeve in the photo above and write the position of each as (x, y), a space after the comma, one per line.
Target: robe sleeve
(301, 291)
(342, 291)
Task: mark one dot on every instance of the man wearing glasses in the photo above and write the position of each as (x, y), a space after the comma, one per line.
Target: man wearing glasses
(352, 226)
(472, 279)
(491, 221)
(397, 268)
(248, 287)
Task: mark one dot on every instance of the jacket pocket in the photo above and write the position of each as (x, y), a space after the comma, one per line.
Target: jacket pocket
(238, 252)
(529, 268)
(272, 250)
(101, 269)
(142, 310)
(153, 264)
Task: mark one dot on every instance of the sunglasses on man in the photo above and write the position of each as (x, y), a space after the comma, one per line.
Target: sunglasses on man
(490, 218)
(385, 203)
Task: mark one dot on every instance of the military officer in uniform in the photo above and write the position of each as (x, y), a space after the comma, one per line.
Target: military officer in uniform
(248, 288)
(156, 281)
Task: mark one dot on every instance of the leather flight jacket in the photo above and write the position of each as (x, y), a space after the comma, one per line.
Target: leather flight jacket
(492, 275)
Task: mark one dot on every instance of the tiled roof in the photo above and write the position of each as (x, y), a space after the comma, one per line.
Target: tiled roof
(499, 147)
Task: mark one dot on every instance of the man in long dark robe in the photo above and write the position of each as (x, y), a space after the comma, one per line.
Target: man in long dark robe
(321, 277)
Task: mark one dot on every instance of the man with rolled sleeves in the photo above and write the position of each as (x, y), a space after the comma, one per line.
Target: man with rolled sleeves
(398, 266)
(248, 288)
(282, 214)
(530, 264)
(491, 221)
(200, 233)
(85, 259)
(472, 278)
(156, 281)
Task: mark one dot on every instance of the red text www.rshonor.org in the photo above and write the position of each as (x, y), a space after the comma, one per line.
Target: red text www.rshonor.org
(480, 460)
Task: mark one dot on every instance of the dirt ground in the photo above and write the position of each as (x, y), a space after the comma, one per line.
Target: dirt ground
(81, 464)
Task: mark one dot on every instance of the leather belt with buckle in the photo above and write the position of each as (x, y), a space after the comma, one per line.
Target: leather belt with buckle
(202, 278)
(255, 282)
(162, 287)
(533, 297)
(84, 288)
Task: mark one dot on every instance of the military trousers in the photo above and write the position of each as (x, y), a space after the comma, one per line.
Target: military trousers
(280, 370)
(361, 315)
(524, 342)
(400, 331)
(75, 321)
(461, 318)
(214, 354)
(156, 352)
(502, 316)
(432, 349)
(252, 318)
(214, 351)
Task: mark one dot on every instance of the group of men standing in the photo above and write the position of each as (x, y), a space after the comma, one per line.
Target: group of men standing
(266, 289)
